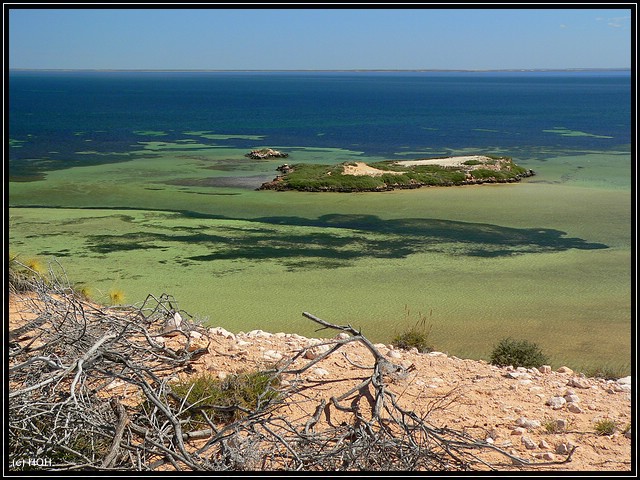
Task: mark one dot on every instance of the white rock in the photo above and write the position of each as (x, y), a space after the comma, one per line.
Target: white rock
(574, 408)
(342, 336)
(556, 402)
(315, 351)
(172, 324)
(272, 355)
(564, 370)
(195, 335)
(528, 424)
(242, 343)
(528, 443)
(561, 424)
(572, 398)
(548, 456)
(222, 333)
(624, 381)
(295, 336)
(545, 369)
(394, 354)
(579, 382)
(320, 372)
(258, 333)
(115, 384)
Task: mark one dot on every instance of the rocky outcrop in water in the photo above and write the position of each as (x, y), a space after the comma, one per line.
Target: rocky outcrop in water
(264, 153)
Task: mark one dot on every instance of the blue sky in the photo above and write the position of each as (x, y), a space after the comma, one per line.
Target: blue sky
(319, 38)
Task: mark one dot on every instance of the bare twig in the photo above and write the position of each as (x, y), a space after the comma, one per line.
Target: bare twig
(70, 366)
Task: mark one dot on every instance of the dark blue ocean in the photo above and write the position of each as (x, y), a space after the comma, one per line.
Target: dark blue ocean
(377, 113)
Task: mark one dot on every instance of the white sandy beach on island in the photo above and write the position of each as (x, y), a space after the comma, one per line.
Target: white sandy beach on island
(447, 162)
(361, 168)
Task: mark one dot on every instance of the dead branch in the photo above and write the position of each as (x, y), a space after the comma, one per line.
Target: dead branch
(90, 388)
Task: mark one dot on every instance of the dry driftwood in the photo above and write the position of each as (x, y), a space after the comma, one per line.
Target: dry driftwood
(64, 364)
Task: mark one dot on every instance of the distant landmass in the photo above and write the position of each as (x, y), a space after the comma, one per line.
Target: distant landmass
(586, 69)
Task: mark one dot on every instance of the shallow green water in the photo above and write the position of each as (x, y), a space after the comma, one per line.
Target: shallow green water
(547, 260)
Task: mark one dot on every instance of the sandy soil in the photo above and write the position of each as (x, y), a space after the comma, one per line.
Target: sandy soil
(487, 401)
(505, 406)
(361, 168)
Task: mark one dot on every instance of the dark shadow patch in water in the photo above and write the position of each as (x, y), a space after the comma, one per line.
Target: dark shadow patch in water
(59, 253)
(210, 193)
(479, 237)
(252, 182)
(361, 236)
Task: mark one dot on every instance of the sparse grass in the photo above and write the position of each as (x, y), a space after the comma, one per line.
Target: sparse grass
(608, 372)
(22, 274)
(605, 426)
(84, 291)
(415, 337)
(225, 400)
(518, 353)
(551, 425)
(36, 265)
(116, 296)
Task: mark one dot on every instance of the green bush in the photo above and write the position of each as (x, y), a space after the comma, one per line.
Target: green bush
(415, 337)
(224, 400)
(518, 353)
(485, 173)
(605, 427)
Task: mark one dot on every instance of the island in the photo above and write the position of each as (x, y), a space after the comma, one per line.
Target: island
(391, 174)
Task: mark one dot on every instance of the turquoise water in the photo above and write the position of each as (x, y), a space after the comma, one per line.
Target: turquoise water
(150, 202)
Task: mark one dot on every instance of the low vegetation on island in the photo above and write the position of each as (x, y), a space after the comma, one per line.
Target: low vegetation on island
(391, 174)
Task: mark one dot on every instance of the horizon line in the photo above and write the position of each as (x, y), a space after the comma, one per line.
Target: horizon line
(324, 70)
